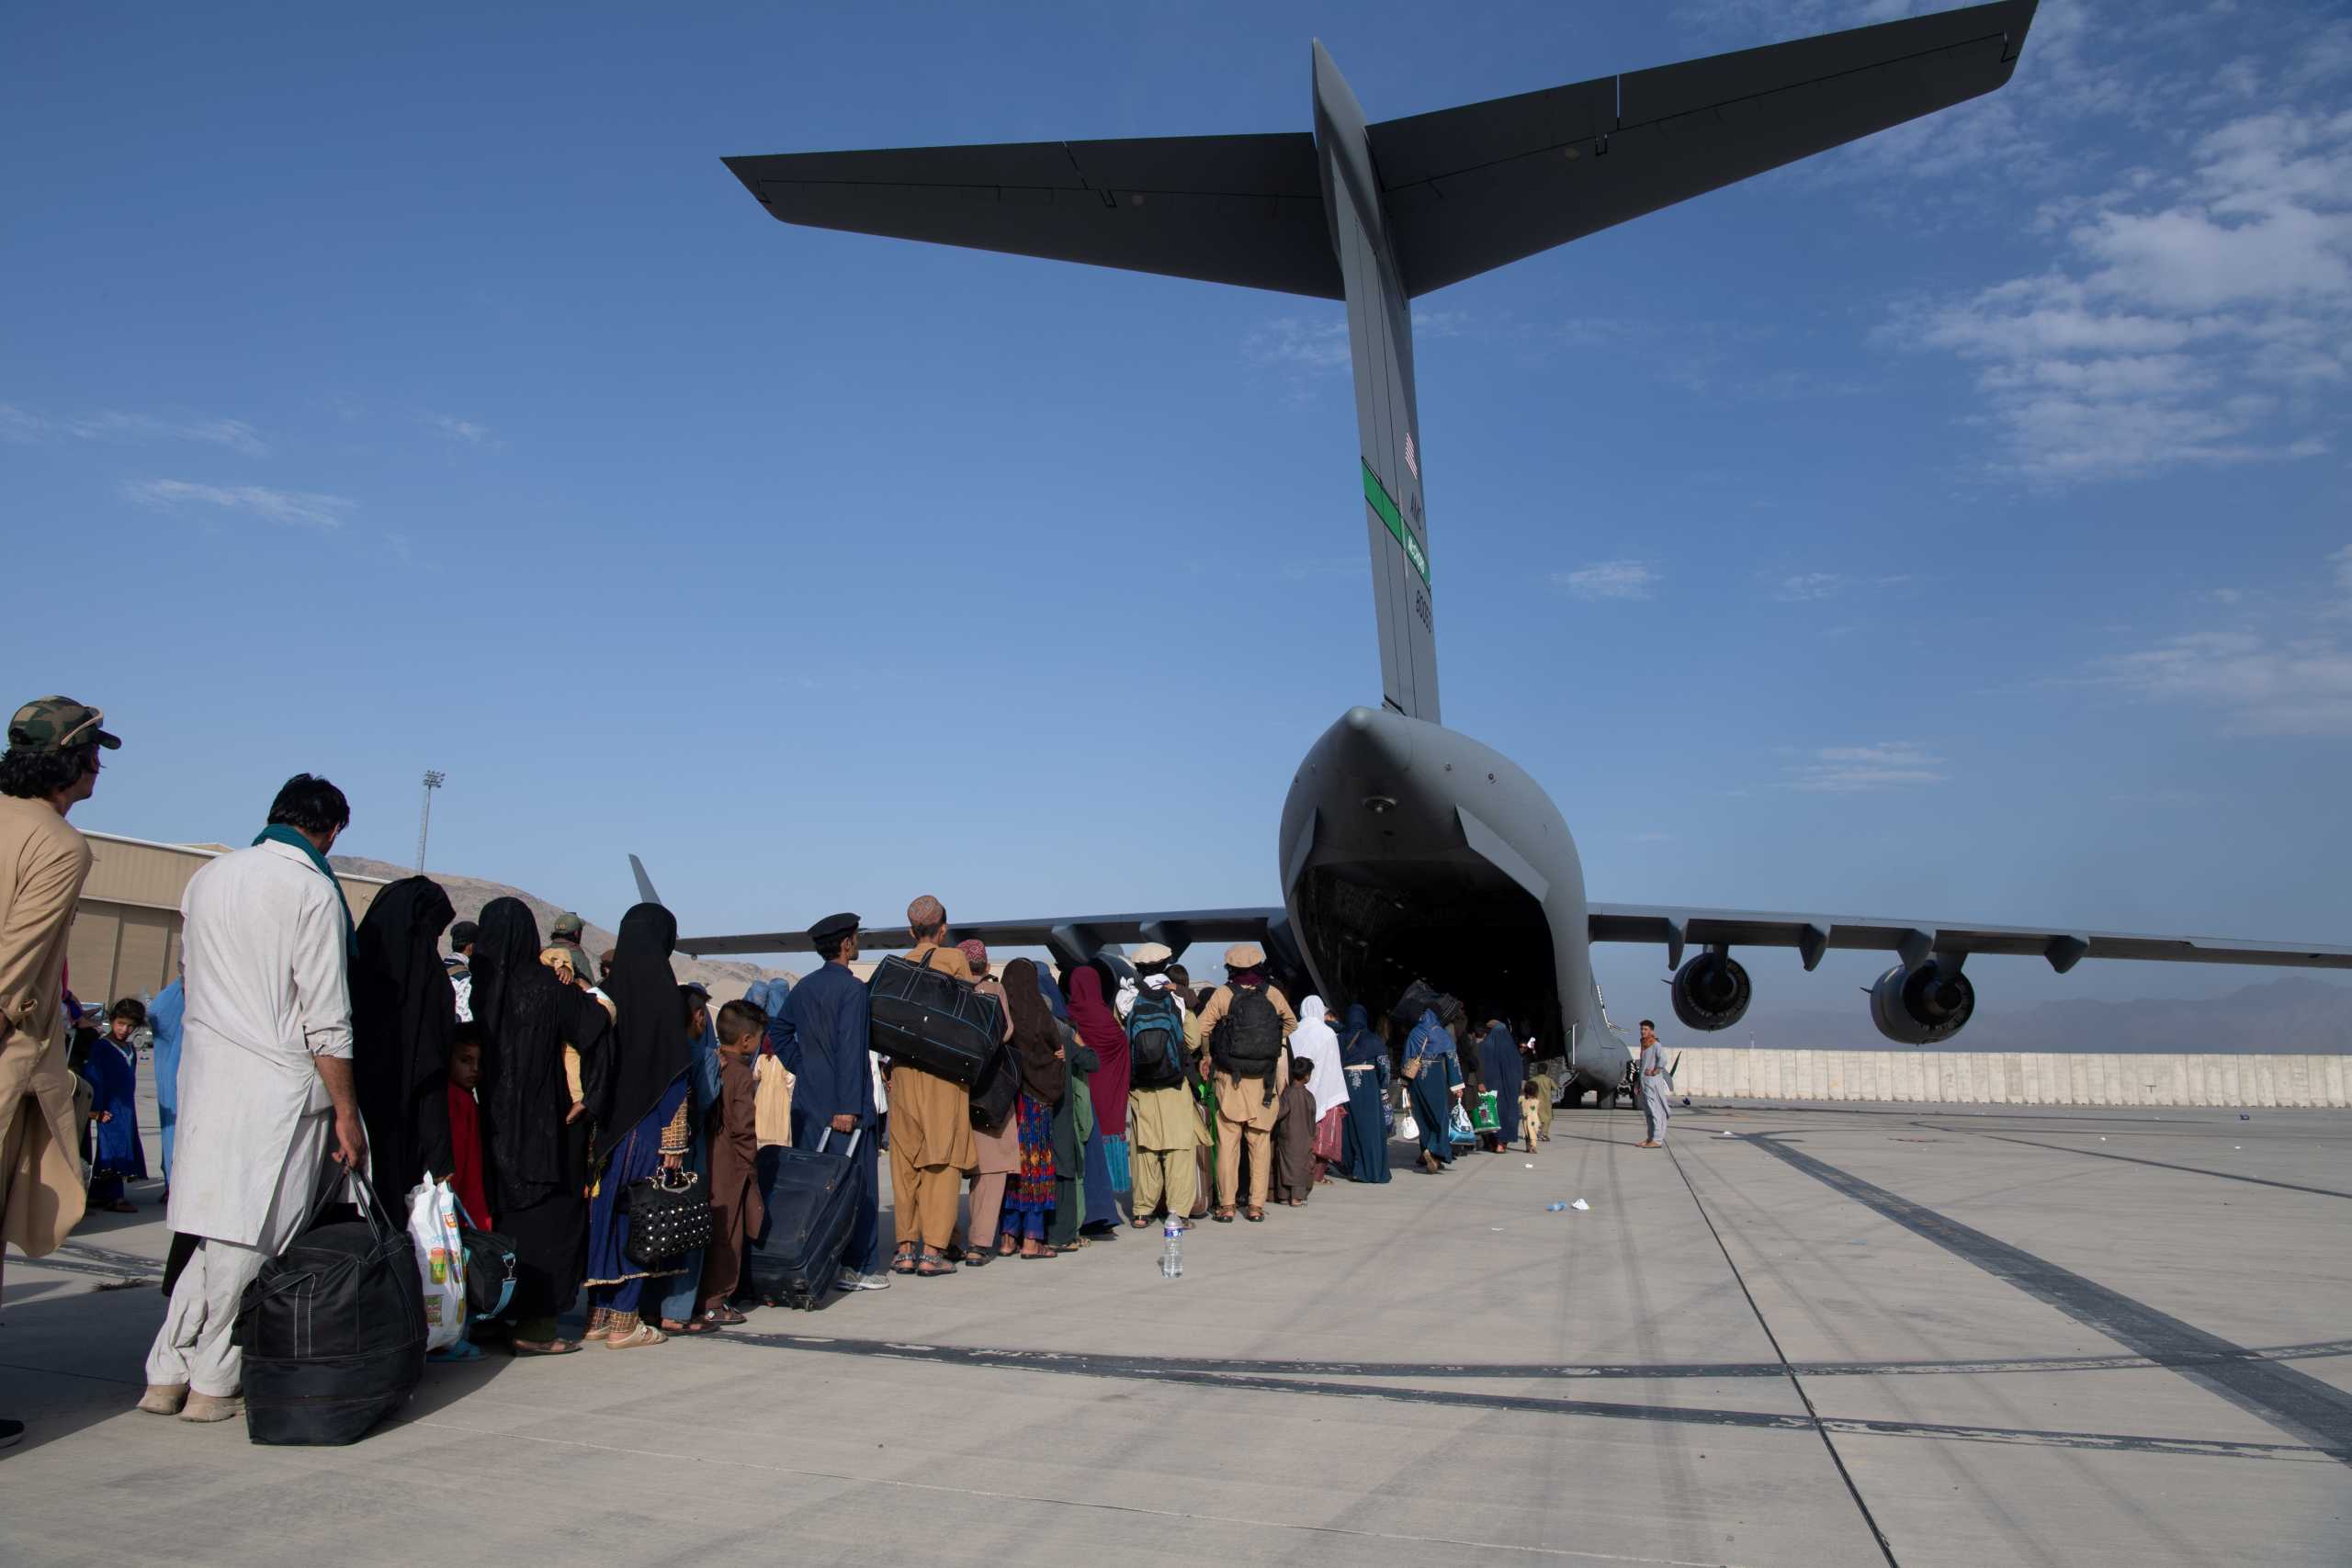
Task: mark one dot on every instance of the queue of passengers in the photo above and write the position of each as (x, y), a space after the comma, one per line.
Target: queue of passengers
(302, 1045)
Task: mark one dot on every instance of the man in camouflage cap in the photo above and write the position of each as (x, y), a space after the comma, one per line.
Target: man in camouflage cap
(566, 932)
(51, 766)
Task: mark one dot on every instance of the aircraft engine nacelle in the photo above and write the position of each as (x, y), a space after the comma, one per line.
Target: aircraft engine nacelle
(1922, 1004)
(1710, 991)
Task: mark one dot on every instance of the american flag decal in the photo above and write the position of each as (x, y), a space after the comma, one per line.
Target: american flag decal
(1411, 460)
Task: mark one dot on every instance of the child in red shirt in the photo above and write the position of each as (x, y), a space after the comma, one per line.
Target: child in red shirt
(465, 1124)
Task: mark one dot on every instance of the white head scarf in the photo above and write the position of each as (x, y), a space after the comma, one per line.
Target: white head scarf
(1312, 1041)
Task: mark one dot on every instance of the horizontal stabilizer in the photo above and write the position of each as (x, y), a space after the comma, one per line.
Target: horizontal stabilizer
(1245, 210)
(1470, 189)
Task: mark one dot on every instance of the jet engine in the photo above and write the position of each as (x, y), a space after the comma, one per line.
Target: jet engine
(1922, 1004)
(1710, 991)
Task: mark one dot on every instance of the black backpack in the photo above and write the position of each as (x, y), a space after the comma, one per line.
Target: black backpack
(1247, 1041)
(1156, 1039)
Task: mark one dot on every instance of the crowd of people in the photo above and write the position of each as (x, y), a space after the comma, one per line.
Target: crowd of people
(301, 1054)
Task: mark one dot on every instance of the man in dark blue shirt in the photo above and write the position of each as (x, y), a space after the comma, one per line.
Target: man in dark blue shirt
(822, 1040)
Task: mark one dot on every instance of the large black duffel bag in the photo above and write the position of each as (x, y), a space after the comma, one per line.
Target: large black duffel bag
(334, 1331)
(930, 1021)
(997, 1088)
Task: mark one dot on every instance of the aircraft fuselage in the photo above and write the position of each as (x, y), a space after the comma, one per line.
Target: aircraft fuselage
(1408, 850)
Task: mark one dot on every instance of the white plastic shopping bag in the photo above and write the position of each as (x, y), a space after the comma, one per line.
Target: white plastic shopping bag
(440, 1261)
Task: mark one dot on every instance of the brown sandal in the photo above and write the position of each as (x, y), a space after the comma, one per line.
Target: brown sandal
(1254, 1215)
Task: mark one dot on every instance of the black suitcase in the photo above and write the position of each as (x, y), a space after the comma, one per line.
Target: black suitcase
(930, 1021)
(809, 1219)
(332, 1331)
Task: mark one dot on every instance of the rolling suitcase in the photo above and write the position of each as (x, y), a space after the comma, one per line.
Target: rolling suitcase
(334, 1331)
(809, 1224)
(930, 1021)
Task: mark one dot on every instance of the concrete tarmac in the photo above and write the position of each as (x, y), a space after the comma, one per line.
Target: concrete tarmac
(1851, 1335)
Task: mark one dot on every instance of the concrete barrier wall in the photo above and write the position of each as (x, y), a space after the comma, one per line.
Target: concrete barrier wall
(2014, 1077)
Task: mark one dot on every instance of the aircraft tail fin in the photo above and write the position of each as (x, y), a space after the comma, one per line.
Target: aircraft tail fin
(1377, 214)
(645, 894)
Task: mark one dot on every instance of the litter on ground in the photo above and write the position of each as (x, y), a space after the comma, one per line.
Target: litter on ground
(1580, 1205)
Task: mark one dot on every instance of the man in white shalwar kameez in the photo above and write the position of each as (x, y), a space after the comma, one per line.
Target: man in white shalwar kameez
(267, 1112)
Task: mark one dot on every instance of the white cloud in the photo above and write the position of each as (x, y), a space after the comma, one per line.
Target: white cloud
(1297, 344)
(2191, 313)
(1888, 764)
(305, 508)
(27, 427)
(1611, 580)
(2265, 675)
(2302, 687)
(1810, 587)
(470, 431)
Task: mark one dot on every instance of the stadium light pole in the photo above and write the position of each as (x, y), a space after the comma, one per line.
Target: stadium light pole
(433, 777)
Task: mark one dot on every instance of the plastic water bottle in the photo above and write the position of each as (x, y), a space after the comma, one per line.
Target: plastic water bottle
(1171, 1252)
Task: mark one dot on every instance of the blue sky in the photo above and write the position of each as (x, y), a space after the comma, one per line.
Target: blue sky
(1955, 527)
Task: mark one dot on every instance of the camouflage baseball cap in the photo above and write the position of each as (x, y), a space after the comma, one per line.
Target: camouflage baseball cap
(568, 924)
(57, 724)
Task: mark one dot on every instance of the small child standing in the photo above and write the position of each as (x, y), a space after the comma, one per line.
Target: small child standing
(112, 1144)
(1295, 1137)
(465, 1124)
(737, 1212)
(1530, 1106)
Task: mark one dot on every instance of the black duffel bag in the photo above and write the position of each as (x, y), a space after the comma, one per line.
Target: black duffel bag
(669, 1216)
(997, 1089)
(930, 1021)
(332, 1331)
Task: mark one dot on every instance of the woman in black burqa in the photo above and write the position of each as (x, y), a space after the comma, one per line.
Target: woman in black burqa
(640, 1115)
(535, 1139)
(402, 1013)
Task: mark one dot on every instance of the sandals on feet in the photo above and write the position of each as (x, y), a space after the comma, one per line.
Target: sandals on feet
(933, 1267)
(545, 1347)
(1254, 1215)
(1223, 1216)
(643, 1335)
(1044, 1251)
(904, 1263)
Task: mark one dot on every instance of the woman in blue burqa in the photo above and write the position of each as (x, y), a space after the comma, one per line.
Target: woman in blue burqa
(1434, 1072)
(642, 1120)
(1363, 1139)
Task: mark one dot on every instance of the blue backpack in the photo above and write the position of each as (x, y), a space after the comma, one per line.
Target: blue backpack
(1156, 1039)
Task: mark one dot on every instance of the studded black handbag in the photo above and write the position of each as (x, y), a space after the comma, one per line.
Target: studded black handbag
(669, 1216)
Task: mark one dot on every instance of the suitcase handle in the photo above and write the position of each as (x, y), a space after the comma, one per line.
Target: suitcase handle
(826, 1137)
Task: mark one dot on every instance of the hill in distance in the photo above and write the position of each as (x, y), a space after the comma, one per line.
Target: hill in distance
(727, 980)
(2294, 1013)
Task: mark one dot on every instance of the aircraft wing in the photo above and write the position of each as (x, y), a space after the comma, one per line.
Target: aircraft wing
(1472, 189)
(1812, 936)
(1245, 210)
(1081, 933)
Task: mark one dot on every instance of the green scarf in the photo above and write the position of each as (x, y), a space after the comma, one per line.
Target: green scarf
(279, 833)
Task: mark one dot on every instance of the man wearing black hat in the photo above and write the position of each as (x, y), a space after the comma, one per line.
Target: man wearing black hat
(51, 766)
(821, 1039)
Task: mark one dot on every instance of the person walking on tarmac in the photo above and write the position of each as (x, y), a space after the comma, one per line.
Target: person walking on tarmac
(1650, 1068)
(1246, 1024)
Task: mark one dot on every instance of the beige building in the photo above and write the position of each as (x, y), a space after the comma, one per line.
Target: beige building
(126, 937)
